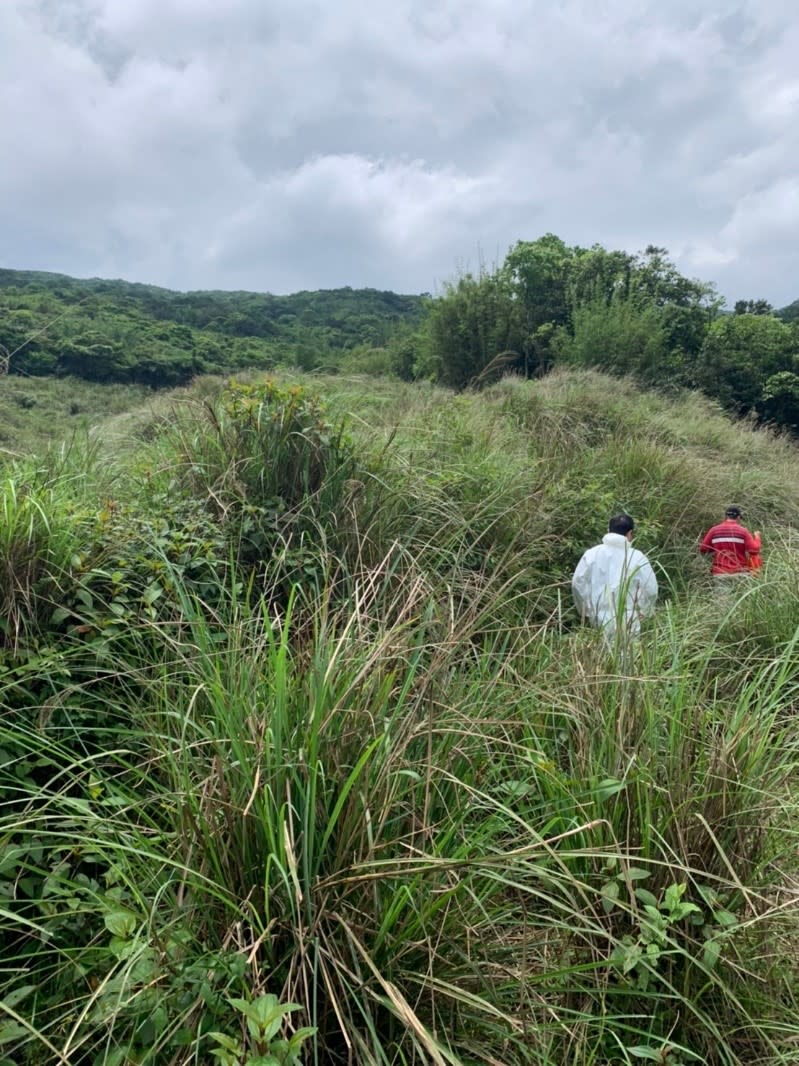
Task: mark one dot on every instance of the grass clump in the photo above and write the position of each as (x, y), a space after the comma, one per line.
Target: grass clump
(271, 469)
(42, 528)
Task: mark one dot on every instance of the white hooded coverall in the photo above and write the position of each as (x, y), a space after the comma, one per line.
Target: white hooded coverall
(614, 582)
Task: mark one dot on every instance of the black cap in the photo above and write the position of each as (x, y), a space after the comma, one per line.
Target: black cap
(733, 511)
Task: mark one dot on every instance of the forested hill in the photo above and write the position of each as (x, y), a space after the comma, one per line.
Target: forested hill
(127, 332)
(547, 305)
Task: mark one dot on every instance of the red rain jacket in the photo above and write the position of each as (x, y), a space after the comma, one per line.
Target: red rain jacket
(732, 545)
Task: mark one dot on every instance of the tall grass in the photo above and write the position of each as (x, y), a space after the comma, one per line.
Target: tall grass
(44, 513)
(407, 795)
(439, 849)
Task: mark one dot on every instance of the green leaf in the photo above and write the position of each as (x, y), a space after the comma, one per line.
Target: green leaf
(151, 594)
(626, 956)
(120, 922)
(227, 1042)
(16, 995)
(726, 918)
(117, 1057)
(268, 1012)
(301, 1036)
(122, 947)
(682, 910)
(227, 1058)
(711, 952)
(674, 894)
(643, 895)
(641, 1051)
(610, 894)
(609, 787)
(636, 873)
(10, 1031)
(517, 789)
(412, 774)
(10, 856)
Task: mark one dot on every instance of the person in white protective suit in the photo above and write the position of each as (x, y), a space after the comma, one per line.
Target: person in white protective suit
(614, 584)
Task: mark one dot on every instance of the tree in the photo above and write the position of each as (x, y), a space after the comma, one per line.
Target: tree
(740, 353)
(473, 322)
(550, 279)
(689, 305)
(780, 399)
(598, 274)
(753, 307)
(539, 273)
(621, 336)
(553, 281)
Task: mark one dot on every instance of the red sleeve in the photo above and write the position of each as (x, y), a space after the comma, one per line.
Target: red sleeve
(752, 544)
(706, 545)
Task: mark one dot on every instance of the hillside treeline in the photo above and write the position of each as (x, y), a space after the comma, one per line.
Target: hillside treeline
(548, 304)
(115, 331)
(552, 304)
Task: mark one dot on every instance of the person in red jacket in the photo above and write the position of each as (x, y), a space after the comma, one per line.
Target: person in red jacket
(734, 549)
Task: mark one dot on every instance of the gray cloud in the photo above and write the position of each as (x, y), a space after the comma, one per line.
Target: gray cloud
(299, 145)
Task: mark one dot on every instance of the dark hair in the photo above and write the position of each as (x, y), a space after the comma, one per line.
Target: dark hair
(621, 523)
(733, 511)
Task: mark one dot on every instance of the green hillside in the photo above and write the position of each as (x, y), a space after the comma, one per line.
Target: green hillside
(115, 331)
(306, 757)
(547, 305)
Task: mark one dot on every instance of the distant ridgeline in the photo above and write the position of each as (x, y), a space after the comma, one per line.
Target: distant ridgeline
(115, 331)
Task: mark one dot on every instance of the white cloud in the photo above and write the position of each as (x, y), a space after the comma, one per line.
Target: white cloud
(298, 144)
(346, 213)
(768, 218)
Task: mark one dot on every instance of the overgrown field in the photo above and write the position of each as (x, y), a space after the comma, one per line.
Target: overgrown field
(305, 758)
(35, 412)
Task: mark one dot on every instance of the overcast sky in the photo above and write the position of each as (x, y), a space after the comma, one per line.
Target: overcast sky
(279, 145)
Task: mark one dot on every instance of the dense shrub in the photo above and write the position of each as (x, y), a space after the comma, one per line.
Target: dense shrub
(275, 473)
